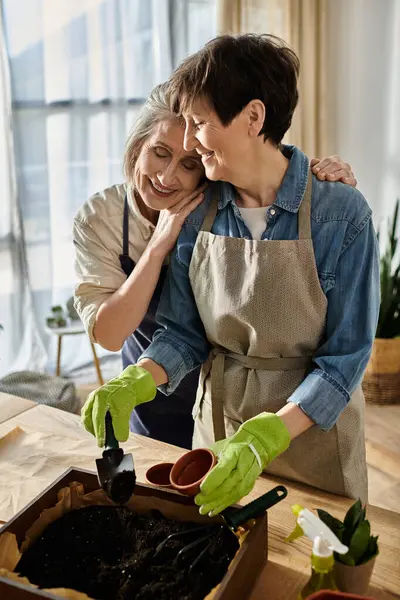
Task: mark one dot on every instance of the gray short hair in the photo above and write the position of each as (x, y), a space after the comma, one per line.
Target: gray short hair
(155, 110)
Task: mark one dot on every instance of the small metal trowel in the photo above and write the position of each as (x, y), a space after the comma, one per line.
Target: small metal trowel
(115, 471)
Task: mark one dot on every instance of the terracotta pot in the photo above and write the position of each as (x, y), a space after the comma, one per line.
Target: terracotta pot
(158, 475)
(190, 469)
(354, 580)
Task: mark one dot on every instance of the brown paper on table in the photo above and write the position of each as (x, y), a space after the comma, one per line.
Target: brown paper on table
(32, 460)
(73, 497)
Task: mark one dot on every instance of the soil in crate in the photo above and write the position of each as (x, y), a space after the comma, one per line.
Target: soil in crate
(108, 553)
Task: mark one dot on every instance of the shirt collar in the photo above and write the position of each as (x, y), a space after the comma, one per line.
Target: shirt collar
(294, 183)
(292, 188)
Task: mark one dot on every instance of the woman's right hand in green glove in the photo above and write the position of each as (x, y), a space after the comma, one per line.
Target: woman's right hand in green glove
(134, 386)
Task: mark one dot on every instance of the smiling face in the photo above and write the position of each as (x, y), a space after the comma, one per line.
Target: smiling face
(165, 172)
(222, 148)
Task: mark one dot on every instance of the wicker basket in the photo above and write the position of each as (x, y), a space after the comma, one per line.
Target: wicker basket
(381, 382)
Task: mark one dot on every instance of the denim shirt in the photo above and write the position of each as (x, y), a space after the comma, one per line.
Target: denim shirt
(347, 259)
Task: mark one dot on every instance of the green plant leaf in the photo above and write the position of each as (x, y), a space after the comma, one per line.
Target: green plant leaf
(353, 517)
(334, 524)
(389, 313)
(346, 559)
(393, 239)
(359, 542)
(371, 551)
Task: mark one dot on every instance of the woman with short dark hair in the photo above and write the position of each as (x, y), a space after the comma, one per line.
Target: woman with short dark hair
(273, 287)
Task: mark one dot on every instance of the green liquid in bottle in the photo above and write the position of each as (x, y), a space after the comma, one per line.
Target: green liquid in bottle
(320, 580)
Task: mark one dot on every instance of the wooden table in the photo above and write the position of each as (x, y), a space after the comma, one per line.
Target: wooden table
(288, 566)
(10, 406)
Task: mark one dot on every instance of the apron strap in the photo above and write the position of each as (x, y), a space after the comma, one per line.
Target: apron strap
(211, 213)
(304, 216)
(125, 228)
(217, 396)
(217, 366)
(291, 363)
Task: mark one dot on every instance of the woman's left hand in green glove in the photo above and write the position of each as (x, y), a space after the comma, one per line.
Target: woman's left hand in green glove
(241, 459)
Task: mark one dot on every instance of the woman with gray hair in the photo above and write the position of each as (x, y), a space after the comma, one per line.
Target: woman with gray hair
(123, 236)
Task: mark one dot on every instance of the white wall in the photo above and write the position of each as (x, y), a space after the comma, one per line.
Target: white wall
(365, 96)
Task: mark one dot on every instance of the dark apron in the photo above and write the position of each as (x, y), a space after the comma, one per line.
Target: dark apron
(167, 418)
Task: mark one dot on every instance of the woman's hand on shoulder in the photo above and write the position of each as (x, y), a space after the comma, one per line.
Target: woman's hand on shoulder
(333, 168)
(170, 221)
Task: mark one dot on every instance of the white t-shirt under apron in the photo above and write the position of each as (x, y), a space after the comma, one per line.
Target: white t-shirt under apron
(255, 219)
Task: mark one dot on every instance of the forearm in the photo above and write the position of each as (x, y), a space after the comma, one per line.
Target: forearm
(156, 371)
(120, 315)
(296, 421)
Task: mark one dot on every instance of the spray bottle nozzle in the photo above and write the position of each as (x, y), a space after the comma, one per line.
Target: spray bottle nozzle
(297, 531)
(324, 540)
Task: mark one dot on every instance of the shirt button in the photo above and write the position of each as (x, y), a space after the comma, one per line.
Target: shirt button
(272, 211)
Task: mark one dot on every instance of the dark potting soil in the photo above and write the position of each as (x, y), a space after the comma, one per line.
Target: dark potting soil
(108, 553)
(120, 487)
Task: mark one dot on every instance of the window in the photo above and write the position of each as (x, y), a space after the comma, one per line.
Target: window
(80, 70)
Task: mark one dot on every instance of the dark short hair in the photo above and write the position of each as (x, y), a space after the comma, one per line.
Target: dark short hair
(230, 71)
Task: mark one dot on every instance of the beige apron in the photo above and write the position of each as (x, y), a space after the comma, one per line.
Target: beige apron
(264, 313)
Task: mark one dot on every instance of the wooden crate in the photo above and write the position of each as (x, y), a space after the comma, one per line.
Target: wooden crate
(237, 583)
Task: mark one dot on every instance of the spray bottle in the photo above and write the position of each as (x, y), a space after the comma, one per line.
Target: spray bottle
(325, 543)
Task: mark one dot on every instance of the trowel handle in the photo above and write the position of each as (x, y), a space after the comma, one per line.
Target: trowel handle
(111, 442)
(256, 508)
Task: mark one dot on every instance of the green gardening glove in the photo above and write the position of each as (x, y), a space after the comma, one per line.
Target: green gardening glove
(241, 459)
(134, 386)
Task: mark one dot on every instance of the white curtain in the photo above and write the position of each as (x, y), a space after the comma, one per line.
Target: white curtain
(80, 70)
(20, 343)
(364, 98)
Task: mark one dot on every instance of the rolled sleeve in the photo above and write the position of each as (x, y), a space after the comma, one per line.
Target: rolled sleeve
(87, 300)
(87, 310)
(98, 274)
(321, 398)
(174, 359)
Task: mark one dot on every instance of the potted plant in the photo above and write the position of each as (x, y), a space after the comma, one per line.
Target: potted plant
(382, 377)
(353, 570)
(57, 319)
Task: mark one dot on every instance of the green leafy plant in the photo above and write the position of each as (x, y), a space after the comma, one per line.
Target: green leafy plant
(57, 318)
(57, 309)
(389, 313)
(354, 532)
